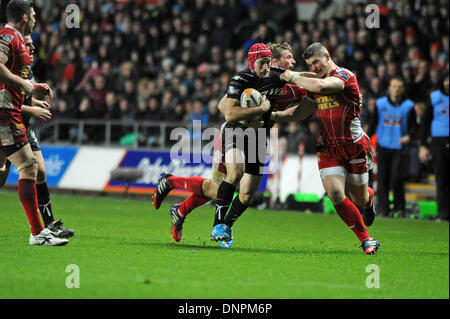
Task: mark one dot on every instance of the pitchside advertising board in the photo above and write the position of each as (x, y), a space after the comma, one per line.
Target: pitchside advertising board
(89, 169)
(153, 163)
(57, 160)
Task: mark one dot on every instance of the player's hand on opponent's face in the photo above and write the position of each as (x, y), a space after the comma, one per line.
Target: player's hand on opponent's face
(27, 87)
(44, 88)
(265, 104)
(41, 113)
(286, 76)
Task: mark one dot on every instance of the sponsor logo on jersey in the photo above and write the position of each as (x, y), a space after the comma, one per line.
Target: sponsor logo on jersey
(6, 38)
(326, 102)
(392, 121)
(272, 92)
(343, 75)
(24, 71)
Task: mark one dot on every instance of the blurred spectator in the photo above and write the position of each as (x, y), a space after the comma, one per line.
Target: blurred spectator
(436, 125)
(389, 121)
(189, 46)
(294, 138)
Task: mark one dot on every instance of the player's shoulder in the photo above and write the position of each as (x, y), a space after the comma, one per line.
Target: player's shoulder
(276, 71)
(344, 73)
(9, 36)
(245, 75)
(381, 101)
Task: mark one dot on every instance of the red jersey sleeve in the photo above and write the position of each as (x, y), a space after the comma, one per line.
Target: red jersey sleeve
(343, 75)
(6, 41)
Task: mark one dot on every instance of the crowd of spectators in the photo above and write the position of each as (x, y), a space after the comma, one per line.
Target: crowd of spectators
(172, 61)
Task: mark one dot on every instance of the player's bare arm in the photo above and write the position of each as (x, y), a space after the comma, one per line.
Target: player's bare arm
(298, 112)
(11, 79)
(323, 86)
(308, 75)
(37, 112)
(233, 112)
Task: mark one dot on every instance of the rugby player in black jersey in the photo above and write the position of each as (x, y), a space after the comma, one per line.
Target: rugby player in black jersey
(238, 162)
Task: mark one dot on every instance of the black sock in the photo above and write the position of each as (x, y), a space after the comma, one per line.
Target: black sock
(224, 198)
(44, 203)
(236, 210)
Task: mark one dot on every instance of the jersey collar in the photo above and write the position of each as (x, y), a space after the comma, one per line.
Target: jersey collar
(11, 27)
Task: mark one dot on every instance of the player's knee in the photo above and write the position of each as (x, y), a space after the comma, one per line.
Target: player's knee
(29, 172)
(336, 196)
(245, 198)
(233, 177)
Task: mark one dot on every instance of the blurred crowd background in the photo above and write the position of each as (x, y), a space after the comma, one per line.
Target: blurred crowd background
(171, 61)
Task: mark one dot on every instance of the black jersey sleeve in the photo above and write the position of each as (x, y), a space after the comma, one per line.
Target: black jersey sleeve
(239, 83)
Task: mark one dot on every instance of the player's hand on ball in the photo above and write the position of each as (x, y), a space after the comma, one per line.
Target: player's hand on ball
(265, 104)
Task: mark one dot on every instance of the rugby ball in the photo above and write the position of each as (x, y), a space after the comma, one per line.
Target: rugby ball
(250, 98)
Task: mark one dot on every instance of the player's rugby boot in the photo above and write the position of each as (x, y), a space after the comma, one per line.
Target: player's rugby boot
(370, 246)
(220, 232)
(229, 243)
(369, 213)
(162, 189)
(56, 227)
(177, 222)
(46, 238)
(4, 172)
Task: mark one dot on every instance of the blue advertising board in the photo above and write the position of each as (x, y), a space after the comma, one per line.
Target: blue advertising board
(56, 158)
(153, 163)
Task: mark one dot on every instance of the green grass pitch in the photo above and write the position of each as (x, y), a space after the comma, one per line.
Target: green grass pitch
(124, 249)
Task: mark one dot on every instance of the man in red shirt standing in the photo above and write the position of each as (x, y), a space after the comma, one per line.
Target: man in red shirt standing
(14, 87)
(344, 155)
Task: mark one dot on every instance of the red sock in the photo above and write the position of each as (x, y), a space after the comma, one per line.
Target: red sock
(192, 184)
(352, 217)
(192, 202)
(28, 198)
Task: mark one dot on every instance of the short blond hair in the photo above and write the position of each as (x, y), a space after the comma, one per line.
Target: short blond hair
(278, 48)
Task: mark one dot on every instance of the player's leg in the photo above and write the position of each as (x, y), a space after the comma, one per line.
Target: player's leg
(333, 180)
(358, 179)
(25, 163)
(178, 212)
(234, 162)
(44, 201)
(248, 186)
(167, 182)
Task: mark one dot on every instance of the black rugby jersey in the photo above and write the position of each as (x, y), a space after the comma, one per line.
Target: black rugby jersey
(270, 87)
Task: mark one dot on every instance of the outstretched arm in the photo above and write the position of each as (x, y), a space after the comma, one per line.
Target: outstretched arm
(315, 85)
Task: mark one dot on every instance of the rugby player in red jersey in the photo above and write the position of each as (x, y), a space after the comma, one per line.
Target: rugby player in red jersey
(259, 76)
(344, 155)
(14, 87)
(39, 109)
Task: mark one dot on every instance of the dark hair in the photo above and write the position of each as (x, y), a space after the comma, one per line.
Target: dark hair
(15, 9)
(314, 49)
(398, 78)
